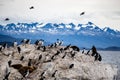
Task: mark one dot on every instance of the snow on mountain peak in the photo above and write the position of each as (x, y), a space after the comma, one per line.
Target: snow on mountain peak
(105, 29)
(89, 28)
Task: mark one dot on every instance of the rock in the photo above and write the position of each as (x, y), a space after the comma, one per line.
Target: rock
(79, 67)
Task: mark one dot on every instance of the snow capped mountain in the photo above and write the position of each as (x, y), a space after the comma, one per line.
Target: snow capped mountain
(87, 29)
(107, 29)
(80, 34)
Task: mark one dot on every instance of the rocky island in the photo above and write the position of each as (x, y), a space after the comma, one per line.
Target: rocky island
(52, 62)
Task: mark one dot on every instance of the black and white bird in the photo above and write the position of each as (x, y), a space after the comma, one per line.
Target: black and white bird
(67, 47)
(6, 76)
(72, 54)
(15, 44)
(1, 47)
(44, 48)
(5, 45)
(64, 55)
(26, 73)
(83, 51)
(57, 53)
(43, 73)
(58, 43)
(42, 78)
(53, 75)
(9, 63)
(28, 41)
(30, 62)
(96, 54)
(37, 42)
(24, 41)
(7, 73)
(40, 57)
(75, 48)
(22, 57)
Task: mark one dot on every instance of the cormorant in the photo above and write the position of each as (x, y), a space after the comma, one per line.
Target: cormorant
(82, 13)
(7, 19)
(32, 7)
(71, 66)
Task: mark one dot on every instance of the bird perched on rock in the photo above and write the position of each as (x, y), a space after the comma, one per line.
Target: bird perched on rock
(42, 78)
(57, 53)
(53, 75)
(30, 62)
(83, 51)
(96, 54)
(61, 50)
(9, 63)
(88, 51)
(67, 47)
(58, 43)
(14, 43)
(44, 48)
(6, 76)
(1, 48)
(22, 57)
(7, 73)
(42, 74)
(71, 66)
(37, 42)
(24, 41)
(19, 49)
(72, 54)
(64, 55)
(75, 48)
(5, 45)
(28, 41)
(94, 51)
(40, 57)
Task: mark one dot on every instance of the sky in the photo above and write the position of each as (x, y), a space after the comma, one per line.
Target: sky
(104, 13)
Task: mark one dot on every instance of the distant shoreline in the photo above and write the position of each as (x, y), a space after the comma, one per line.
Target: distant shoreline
(111, 48)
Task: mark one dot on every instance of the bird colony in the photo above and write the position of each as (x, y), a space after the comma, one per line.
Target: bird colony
(36, 61)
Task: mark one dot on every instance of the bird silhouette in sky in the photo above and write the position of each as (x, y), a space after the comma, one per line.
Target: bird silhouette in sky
(82, 13)
(32, 7)
(7, 19)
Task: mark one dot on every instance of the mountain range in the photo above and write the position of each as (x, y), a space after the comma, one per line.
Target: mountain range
(82, 35)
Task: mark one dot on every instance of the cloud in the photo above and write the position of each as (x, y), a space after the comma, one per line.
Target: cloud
(101, 12)
(1, 4)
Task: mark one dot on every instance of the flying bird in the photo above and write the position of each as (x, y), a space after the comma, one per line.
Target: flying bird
(32, 7)
(82, 13)
(7, 19)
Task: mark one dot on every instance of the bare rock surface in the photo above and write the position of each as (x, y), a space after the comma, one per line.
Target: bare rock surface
(52, 64)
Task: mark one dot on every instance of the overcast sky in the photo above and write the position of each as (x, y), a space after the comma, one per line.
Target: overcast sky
(101, 12)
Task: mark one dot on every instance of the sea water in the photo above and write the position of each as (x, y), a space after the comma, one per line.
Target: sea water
(111, 57)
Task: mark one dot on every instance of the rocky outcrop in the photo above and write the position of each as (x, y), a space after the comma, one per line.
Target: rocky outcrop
(52, 63)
